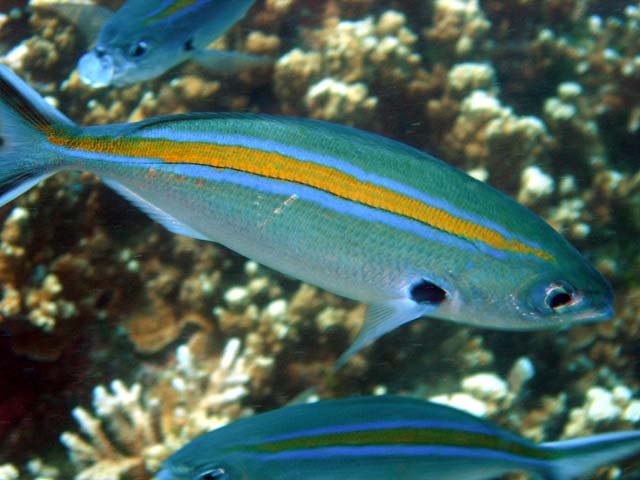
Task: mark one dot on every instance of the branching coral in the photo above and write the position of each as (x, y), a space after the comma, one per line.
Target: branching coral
(135, 428)
(35, 296)
(536, 97)
(459, 28)
(603, 408)
(35, 469)
(351, 63)
(487, 134)
(486, 394)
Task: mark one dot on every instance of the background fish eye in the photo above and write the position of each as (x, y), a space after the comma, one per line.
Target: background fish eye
(138, 49)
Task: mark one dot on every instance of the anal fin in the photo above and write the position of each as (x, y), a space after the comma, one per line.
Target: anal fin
(156, 213)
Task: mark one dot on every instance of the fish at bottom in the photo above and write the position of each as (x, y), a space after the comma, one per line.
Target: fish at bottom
(384, 437)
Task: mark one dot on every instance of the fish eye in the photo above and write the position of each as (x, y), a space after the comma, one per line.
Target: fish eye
(138, 49)
(100, 52)
(217, 473)
(558, 295)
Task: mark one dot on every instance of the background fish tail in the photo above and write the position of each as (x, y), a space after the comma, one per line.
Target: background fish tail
(580, 456)
(25, 121)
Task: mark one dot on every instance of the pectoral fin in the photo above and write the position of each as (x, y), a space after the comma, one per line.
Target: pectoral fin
(381, 318)
(229, 63)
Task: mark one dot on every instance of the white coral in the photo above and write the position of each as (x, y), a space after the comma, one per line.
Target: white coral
(602, 406)
(135, 428)
(334, 100)
(334, 83)
(9, 472)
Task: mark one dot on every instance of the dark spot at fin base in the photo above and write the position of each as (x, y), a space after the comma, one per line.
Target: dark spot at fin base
(188, 45)
(427, 292)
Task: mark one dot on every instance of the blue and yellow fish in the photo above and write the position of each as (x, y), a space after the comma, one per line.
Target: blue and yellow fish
(383, 438)
(145, 38)
(354, 213)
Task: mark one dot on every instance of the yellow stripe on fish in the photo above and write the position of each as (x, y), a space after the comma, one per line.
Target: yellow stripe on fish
(171, 9)
(280, 167)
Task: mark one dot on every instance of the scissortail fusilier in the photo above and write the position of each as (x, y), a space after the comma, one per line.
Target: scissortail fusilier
(145, 38)
(384, 438)
(351, 212)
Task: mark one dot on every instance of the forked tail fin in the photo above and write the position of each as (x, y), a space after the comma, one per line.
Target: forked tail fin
(578, 457)
(25, 121)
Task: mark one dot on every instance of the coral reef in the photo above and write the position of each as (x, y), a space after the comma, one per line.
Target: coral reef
(485, 393)
(130, 434)
(352, 61)
(615, 409)
(459, 28)
(485, 133)
(537, 98)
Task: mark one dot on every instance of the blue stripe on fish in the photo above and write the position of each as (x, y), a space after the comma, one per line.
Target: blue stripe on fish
(302, 192)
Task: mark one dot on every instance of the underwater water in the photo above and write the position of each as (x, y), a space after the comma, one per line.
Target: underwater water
(122, 341)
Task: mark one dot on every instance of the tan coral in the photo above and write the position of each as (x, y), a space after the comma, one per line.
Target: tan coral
(135, 428)
(459, 27)
(337, 101)
(348, 57)
(488, 134)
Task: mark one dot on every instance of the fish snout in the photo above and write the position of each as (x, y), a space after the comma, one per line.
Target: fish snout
(96, 68)
(164, 474)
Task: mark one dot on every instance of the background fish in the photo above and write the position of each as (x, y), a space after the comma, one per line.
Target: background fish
(145, 38)
(354, 213)
(384, 438)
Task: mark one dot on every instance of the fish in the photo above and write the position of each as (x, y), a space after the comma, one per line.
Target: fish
(381, 438)
(351, 212)
(145, 38)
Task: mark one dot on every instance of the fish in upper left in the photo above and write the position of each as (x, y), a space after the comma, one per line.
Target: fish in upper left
(145, 38)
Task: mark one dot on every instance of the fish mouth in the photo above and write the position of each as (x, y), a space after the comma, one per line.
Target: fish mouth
(599, 308)
(598, 314)
(164, 474)
(601, 304)
(96, 70)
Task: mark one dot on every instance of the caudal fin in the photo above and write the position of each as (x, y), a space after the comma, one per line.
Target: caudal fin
(25, 121)
(578, 457)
